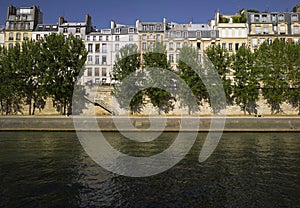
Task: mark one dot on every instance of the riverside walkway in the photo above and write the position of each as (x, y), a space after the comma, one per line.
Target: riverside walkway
(172, 123)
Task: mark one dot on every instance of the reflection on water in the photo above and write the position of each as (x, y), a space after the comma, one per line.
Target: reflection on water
(50, 169)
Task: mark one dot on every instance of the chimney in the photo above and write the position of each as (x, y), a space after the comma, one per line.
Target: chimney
(112, 24)
(61, 20)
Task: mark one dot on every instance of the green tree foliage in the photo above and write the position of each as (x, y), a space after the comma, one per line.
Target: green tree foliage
(222, 62)
(293, 64)
(34, 70)
(273, 61)
(127, 71)
(189, 70)
(155, 64)
(63, 59)
(246, 92)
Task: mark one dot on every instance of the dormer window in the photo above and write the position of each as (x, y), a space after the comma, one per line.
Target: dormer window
(294, 17)
(281, 18)
(117, 30)
(256, 18)
(130, 30)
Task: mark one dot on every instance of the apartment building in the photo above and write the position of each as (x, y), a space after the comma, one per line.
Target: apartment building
(102, 47)
(267, 26)
(43, 30)
(149, 33)
(199, 36)
(233, 30)
(77, 29)
(20, 23)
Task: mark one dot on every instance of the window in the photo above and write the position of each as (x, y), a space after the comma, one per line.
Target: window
(294, 17)
(199, 57)
(117, 30)
(244, 45)
(282, 29)
(100, 38)
(266, 30)
(97, 59)
(144, 37)
(90, 47)
(236, 33)
(223, 46)
(97, 49)
(237, 46)
(157, 37)
(89, 72)
(90, 59)
(198, 34)
(77, 37)
(88, 38)
(254, 42)
(131, 30)
(177, 58)
(199, 46)
(296, 40)
(107, 38)
(10, 45)
(223, 33)
(261, 40)
(178, 45)
(38, 37)
(65, 30)
(104, 48)
(185, 34)
(230, 46)
(281, 18)
(25, 36)
(77, 30)
(171, 46)
(117, 47)
(97, 72)
(104, 73)
(244, 33)
(94, 38)
(18, 36)
(264, 18)
(171, 58)
(104, 60)
(269, 41)
(257, 29)
(296, 30)
(117, 38)
(144, 46)
(130, 37)
(256, 18)
(230, 33)
(151, 45)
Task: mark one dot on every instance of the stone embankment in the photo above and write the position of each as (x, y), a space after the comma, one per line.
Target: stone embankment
(108, 123)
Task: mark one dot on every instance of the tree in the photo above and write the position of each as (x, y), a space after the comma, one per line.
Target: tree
(293, 64)
(188, 67)
(10, 80)
(63, 61)
(30, 73)
(127, 70)
(156, 66)
(221, 62)
(272, 60)
(246, 91)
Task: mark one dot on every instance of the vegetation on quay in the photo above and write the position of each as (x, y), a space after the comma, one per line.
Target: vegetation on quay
(272, 70)
(34, 71)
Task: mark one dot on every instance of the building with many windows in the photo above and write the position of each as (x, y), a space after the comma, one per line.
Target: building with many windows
(20, 23)
(199, 36)
(233, 30)
(77, 29)
(102, 47)
(267, 26)
(43, 30)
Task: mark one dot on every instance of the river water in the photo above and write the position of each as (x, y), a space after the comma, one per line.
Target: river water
(51, 169)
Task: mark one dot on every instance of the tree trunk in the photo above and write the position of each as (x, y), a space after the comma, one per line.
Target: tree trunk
(30, 103)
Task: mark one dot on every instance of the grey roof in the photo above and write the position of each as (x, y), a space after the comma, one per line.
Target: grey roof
(46, 27)
(2, 27)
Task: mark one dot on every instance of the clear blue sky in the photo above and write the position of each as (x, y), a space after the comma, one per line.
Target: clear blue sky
(127, 11)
